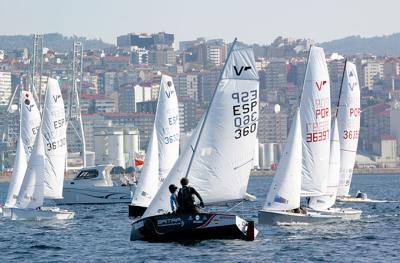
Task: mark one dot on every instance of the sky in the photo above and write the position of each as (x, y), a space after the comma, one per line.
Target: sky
(252, 21)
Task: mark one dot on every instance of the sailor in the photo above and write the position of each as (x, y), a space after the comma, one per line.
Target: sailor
(172, 198)
(186, 200)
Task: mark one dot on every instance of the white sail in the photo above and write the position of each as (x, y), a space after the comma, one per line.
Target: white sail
(223, 146)
(328, 200)
(32, 188)
(167, 127)
(163, 149)
(284, 192)
(315, 115)
(349, 126)
(148, 181)
(54, 134)
(29, 126)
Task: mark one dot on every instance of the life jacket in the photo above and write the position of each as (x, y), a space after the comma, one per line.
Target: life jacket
(185, 198)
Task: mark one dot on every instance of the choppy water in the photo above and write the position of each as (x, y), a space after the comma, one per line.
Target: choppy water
(100, 233)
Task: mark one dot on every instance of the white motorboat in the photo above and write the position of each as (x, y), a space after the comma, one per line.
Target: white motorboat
(94, 185)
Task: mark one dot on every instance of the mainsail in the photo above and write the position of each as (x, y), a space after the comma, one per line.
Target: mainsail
(328, 200)
(349, 126)
(163, 149)
(220, 154)
(315, 116)
(54, 130)
(29, 127)
(284, 192)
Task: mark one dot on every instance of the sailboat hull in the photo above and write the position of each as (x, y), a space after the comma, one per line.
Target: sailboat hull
(172, 227)
(289, 218)
(136, 211)
(5, 211)
(352, 199)
(96, 195)
(45, 213)
(344, 213)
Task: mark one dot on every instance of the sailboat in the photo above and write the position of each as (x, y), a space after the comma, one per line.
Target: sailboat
(163, 148)
(349, 127)
(217, 160)
(305, 161)
(324, 203)
(28, 129)
(44, 175)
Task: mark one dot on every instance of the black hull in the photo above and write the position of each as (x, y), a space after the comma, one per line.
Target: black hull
(136, 211)
(192, 227)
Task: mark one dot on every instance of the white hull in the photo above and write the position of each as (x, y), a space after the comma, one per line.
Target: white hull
(351, 199)
(344, 213)
(289, 218)
(49, 213)
(5, 212)
(97, 195)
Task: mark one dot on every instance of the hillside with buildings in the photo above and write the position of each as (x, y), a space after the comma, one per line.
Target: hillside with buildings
(119, 90)
(54, 41)
(352, 45)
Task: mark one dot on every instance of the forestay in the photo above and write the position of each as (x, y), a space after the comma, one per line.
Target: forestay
(315, 115)
(349, 126)
(220, 154)
(163, 149)
(284, 192)
(328, 200)
(54, 135)
(29, 126)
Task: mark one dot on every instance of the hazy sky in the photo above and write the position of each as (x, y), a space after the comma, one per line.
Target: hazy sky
(252, 21)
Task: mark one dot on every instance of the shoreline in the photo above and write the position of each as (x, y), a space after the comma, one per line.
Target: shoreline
(361, 171)
(358, 171)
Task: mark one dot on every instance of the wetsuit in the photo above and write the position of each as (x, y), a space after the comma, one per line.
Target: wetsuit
(186, 200)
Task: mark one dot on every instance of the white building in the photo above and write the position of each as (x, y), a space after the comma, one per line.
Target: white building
(5, 87)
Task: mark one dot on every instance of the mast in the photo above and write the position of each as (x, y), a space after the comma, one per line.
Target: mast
(305, 72)
(208, 109)
(341, 87)
(74, 110)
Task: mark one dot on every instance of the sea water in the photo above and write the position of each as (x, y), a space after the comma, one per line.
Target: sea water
(100, 233)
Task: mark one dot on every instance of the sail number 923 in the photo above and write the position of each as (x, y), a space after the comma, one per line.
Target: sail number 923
(245, 112)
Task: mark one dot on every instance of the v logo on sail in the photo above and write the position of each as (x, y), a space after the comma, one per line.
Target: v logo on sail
(238, 73)
(320, 84)
(29, 107)
(55, 98)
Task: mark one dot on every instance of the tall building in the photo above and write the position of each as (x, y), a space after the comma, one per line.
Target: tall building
(139, 56)
(130, 95)
(187, 113)
(371, 73)
(216, 54)
(276, 74)
(146, 41)
(207, 82)
(186, 85)
(5, 87)
(272, 125)
(162, 56)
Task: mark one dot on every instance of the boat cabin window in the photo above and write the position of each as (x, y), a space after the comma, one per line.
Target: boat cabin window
(87, 174)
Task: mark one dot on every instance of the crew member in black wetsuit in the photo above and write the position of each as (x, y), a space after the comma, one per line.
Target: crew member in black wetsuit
(186, 200)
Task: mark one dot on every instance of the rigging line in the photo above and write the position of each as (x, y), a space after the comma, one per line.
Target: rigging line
(235, 206)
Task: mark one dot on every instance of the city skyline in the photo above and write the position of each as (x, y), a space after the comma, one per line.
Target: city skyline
(261, 24)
